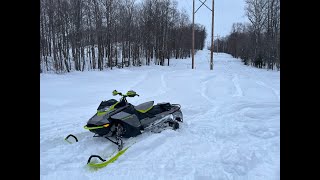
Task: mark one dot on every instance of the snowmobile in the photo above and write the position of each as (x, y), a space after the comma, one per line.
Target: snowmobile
(115, 120)
(121, 119)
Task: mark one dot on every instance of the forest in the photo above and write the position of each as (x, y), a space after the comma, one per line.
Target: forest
(98, 34)
(256, 43)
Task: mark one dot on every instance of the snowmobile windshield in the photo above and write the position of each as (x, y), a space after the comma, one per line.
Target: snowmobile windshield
(121, 103)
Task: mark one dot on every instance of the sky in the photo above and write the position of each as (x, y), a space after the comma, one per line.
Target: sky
(226, 13)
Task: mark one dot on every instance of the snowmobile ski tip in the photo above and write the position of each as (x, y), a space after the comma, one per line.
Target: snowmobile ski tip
(70, 135)
(104, 163)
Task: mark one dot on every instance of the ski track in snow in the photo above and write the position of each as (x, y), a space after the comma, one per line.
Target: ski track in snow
(164, 86)
(277, 94)
(142, 78)
(231, 127)
(204, 88)
(235, 81)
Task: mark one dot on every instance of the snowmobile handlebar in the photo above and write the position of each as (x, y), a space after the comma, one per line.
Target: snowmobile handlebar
(128, 94)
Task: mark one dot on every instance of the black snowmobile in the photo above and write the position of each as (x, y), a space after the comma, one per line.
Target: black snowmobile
(120, 119)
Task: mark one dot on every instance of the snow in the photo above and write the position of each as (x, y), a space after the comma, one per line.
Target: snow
(231, 127)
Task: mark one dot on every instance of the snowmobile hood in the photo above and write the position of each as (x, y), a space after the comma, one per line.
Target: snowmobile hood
(99, 119)
(102, 117)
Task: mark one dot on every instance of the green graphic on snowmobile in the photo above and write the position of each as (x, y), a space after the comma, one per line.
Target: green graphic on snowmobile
(145, 107)
(127, 117)
(97, 127)
(101, 113)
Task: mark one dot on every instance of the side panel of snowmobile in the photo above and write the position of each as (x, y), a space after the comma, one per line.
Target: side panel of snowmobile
(130, 123)
(99, 120)
(149, 121)
(130, 119)
(146, 121)
(165, 116)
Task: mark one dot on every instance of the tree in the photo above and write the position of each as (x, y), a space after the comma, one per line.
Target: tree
(90, 34)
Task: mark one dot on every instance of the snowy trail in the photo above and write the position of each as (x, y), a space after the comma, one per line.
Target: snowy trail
(231, 126)
(273, 90)
(235, 81)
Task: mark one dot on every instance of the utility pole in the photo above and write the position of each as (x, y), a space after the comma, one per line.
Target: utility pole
(211, 57)
(203, 3)
(193, 35)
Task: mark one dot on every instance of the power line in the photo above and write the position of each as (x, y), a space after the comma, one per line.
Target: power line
(212, 37)
(203, 3)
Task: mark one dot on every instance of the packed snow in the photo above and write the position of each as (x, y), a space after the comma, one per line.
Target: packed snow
(231, 127)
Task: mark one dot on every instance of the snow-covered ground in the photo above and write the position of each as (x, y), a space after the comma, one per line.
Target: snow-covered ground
(231, 126)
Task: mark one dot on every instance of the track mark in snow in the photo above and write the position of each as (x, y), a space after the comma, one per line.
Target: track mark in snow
(147, 143)
(141, 79)
(262, 132)
(235, 81)
(268, 87)
(204, 88)
(238, 160)
(252, 110)
(203, 133)
(164, 88)
(163, 82)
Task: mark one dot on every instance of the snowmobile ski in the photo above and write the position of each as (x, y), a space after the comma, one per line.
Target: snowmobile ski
(70, 135)
(104, 163)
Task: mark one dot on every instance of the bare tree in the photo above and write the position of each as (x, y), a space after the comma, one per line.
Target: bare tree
(90, 34)
(257, 43)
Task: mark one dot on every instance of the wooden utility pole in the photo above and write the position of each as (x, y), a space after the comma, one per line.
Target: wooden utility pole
(193, 35)
(211, 57)
(203, 3)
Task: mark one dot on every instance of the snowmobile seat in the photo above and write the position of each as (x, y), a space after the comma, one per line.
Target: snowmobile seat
(144, 107)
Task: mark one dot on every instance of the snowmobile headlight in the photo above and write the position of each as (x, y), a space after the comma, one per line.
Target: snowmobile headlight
(106, 125)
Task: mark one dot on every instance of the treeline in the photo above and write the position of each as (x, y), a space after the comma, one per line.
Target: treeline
(97, 34)
(258, 42)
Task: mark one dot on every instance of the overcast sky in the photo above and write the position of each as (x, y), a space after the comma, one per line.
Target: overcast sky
(226, 13)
